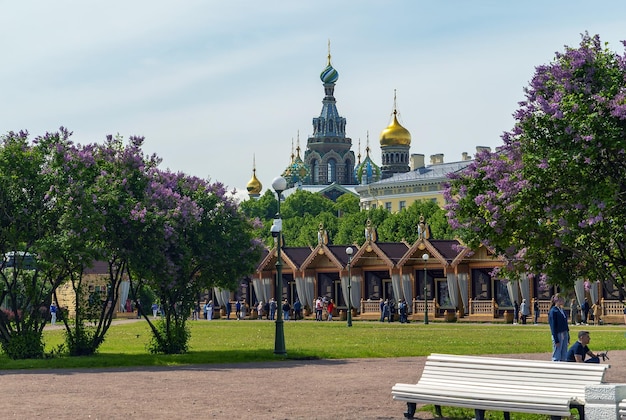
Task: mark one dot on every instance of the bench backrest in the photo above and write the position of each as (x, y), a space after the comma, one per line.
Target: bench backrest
(511, 374)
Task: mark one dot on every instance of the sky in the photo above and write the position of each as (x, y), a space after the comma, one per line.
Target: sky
(215, 86)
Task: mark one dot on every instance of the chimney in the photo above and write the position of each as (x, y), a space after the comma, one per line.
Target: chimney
(465, 156)
(482, 149)
(417, 161)
(435, 159)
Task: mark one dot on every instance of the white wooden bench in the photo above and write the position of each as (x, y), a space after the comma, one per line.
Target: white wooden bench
(622, 410)
(500, 384)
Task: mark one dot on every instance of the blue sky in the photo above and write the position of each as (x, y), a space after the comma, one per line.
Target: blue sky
(210, 84)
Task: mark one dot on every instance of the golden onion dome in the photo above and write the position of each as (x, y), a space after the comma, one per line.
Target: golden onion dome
(395, 134)
(254, 185)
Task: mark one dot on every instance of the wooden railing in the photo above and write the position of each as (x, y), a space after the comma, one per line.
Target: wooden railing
(612, 307)
(419, 306)
(483, 307)
(370, 306)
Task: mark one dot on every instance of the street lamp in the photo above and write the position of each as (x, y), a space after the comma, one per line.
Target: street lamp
(279, 184)
(425, 258)
(349, 251)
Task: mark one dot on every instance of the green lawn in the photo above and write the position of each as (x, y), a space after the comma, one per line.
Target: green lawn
(222, 341)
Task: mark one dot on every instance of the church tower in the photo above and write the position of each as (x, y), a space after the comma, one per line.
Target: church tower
(395, 142)
(328, 155)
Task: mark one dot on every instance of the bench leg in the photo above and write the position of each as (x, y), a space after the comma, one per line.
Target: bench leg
(581, 411)
(438, 411)
(479, 414)
(507, 415)
(410, 410)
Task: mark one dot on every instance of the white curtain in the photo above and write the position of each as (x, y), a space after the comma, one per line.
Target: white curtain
(525, 286)
(462, 279)
(579, 288)
(397, 286)
(309, 289)
(300, 290)
(124, 288)
(594, 292)
(222, 296)
(513, 288)
(453, 289)
(258, 289)
(267, 284)
(407, 289)
(344, 289)
(357, 282)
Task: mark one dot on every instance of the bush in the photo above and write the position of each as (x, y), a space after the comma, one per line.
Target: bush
(24, 345)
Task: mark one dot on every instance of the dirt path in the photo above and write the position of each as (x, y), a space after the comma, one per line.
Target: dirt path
(322, 389)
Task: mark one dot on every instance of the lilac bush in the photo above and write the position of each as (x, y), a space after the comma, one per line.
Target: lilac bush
(551, 200)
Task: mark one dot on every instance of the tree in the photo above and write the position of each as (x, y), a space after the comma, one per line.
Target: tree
(28, 216)
(552, 199)
(99, 189)
(194, 238)
(403, 225)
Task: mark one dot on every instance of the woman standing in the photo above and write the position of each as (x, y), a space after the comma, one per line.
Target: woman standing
(559, 329)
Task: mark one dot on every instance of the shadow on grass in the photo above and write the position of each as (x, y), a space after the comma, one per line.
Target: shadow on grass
(203, 360)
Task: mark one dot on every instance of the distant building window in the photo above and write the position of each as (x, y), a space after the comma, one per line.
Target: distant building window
(402, 205)
(332, 171)
(388, 205)
(374, 205)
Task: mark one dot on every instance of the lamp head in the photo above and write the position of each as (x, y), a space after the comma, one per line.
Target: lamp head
(425, 257)
(349, 251)
(276, 227)
(279, 184)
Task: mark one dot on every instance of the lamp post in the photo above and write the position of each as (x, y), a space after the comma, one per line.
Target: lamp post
(425, 258)
(349, 251)
(279, 184)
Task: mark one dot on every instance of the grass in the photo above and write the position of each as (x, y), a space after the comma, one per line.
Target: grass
(222, 341)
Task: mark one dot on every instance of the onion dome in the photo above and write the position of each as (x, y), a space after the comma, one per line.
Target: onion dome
(254, 186)
(297, 172)
(395, 134)
(329, 74)
(367, 171)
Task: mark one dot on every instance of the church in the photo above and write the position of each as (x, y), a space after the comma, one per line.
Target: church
(330, 167)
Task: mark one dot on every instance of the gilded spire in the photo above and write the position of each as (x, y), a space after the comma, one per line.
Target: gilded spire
(254, 186)
(328, 64)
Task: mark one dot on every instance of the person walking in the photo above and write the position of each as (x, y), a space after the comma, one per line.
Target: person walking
(386, 311)
(524, 311)
(238, 309)
(515, 312)
(297, 309)
(559, 329)
(208, 309)
(227, 309)
(330, 308)
(574, 311)
(319, 307)
(536, 311)
(585, 309)
(53, 313)
(286, 309)
(196, 312)
(382, 310)
(259, 310)
(596, 308)
(273, 306)
(402, 307)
